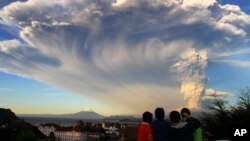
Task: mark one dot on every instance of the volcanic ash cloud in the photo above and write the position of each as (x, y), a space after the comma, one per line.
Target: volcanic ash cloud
(191, 71)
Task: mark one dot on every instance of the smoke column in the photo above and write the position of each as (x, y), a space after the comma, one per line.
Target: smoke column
(191, 70)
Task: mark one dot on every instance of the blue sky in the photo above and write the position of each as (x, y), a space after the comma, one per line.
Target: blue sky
(89, 54)
(244, 5)
(23, 94)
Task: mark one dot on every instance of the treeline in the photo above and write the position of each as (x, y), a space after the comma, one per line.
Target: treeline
(222, 119)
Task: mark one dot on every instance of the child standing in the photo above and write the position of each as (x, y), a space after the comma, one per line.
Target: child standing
(144, 131)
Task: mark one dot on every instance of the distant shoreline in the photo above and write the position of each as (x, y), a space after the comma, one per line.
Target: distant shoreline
(36, 121)
(62, 121)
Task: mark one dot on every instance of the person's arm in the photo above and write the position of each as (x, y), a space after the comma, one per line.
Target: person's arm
(150, 134)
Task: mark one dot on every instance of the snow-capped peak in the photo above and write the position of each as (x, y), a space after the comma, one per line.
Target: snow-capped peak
(87, 110)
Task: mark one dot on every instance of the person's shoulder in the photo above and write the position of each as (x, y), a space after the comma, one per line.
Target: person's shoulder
(144, 126)
(160, 122)
(154, 121)
(155, 124)
(167, 123)
(193, 125)
(192, 119)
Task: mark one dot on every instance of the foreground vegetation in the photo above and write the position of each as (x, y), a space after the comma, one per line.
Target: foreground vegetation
(223, 118)
(14, 129)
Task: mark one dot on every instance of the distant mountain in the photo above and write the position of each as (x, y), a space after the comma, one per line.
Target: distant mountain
(119, 117)
(123, 118)
(85, 114)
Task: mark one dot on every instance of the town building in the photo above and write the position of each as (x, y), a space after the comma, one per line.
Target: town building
(63, 133)
(111, 128)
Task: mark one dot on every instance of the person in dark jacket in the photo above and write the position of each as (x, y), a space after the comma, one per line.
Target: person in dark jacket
(181, 131)
(161, 128)
(186, 116)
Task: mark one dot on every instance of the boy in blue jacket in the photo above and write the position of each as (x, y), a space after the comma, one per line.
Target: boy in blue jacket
(161, 128)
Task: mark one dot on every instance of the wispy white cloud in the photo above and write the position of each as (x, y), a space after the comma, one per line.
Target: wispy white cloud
(232, 53)
(211, 94)
(123, 52)
(7, 45)
(237, 63)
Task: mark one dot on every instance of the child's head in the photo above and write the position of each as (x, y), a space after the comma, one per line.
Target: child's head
(159, 113)
(185, 112)
(175, 116)
(147, 116)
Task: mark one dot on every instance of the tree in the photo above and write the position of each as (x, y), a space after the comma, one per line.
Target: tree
(217, 119)
(25, 136)
(224, 117)
(244, 98)
(241, 112)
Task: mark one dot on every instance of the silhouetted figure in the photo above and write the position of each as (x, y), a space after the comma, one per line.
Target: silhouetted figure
(181, 131)
(186, 116)
(144, 131)
(161, 128)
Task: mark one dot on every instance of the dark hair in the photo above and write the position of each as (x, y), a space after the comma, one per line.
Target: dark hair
(175, 116)
(159, 113)
(147, 116)
(185, 110)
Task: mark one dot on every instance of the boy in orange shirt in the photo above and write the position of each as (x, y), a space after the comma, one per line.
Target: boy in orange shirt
(144, 131)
